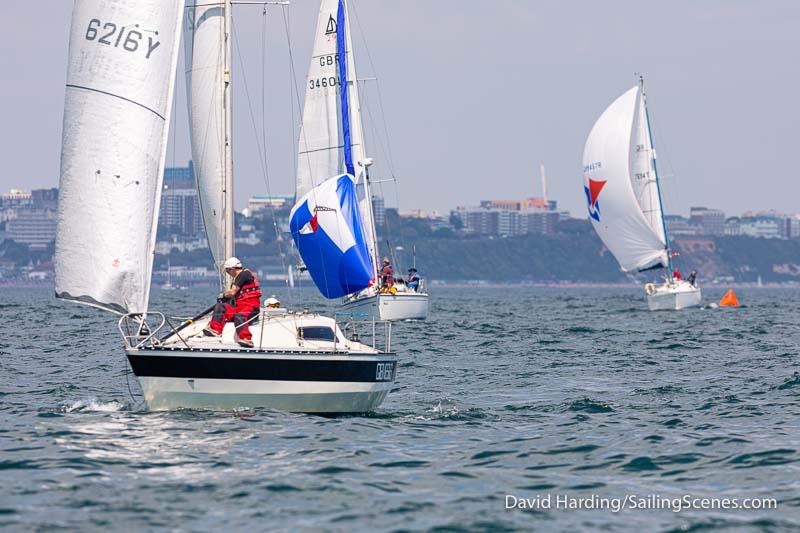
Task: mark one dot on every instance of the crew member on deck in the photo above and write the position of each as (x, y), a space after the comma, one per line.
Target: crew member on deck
(246, 295)
(692, 277)
(413, 280)
(387, 275)
(676, 275)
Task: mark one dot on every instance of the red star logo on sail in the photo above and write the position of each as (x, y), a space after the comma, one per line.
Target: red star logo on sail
(311, 226)
(594, 191)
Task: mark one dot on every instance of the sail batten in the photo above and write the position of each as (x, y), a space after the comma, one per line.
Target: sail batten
(615, 197)
(119, 88)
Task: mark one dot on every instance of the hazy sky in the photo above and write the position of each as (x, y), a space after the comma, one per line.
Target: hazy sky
(477, 93)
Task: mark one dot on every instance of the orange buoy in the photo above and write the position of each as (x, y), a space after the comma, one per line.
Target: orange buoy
(729, 300)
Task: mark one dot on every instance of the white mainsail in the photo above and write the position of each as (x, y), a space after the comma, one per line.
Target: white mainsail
(614, 207)
(204, 52)
(120, 81)
(321, 146)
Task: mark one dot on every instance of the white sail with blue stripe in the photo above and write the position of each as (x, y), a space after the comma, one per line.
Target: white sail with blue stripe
(331, 140)
(328, 230)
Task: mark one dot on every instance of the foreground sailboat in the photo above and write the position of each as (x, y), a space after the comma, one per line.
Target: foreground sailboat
(623, 195)
(114, 148)
(330, 151)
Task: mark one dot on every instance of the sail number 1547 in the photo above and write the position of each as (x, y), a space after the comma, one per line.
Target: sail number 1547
(129, 39)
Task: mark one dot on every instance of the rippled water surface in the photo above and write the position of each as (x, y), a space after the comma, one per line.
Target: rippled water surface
(524, 392)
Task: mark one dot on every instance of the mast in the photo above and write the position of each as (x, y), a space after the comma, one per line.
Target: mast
(366, 163)
(227, 190)
(357, 144)
(670, 269)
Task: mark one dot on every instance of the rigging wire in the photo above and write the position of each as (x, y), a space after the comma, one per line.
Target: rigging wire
(261, 156)
(671, 192)
(292, 127)
(390, 158)
(388, 149)
(293, 77)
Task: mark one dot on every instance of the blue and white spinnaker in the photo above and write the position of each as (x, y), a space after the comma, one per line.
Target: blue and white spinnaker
(327, 228)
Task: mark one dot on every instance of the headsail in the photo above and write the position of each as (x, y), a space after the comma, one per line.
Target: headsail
(120, 80)
(204, 51)
(327, 229)
(331, 136)
(643, 174)
(611, 198)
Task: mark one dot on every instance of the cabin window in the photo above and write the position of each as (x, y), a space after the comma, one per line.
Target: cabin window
(316, 333)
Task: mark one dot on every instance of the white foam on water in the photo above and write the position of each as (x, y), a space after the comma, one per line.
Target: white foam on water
(92, 404)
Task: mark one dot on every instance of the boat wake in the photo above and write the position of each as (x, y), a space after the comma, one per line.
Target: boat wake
(92, 404)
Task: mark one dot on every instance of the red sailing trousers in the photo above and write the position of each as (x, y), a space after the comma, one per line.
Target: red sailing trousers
(240, 314)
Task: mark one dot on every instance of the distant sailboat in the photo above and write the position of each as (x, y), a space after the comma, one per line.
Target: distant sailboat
(116, 120)
(333, 212)
(623, 197)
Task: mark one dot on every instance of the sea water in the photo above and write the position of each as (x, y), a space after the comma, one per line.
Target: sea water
(514, 408)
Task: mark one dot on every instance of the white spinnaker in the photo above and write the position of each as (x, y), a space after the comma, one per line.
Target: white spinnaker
(643, 174)
(622, 226)
(321, 145)
(120, 81)
(204, 52)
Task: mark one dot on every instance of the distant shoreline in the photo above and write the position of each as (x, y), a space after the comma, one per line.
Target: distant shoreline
(476, 284)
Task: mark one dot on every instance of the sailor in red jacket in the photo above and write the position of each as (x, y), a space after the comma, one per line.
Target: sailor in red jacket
(246, 295)
(387, 274)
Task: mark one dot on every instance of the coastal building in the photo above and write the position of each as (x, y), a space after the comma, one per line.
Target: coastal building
(35, 228)
(264, 203)
(379, 210)
(680, 227)
(180, 213)
(733, 227)
(762, 227)
(15, 198)
(45, 198)
(707, 221)
(38, 199)
(793, 227)
(506, 218)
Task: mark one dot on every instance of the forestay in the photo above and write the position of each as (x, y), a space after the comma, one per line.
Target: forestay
(611, 197)
(120, 80)
(331, 136)
(327, 228)
(204, 50)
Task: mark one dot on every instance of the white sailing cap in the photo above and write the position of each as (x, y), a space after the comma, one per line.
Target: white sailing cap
(232, 262)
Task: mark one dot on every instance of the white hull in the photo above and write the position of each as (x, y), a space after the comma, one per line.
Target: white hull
(393, 307)
(287, 382)
(300, 363)
(673, 296)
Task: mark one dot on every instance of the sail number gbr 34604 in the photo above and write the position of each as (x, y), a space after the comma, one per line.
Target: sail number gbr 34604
(123, 37)
(316, 83)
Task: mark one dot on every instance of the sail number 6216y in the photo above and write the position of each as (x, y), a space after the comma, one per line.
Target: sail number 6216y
(130, 40)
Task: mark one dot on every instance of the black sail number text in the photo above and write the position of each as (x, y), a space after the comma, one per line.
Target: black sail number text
(129, 39)
(316, 83)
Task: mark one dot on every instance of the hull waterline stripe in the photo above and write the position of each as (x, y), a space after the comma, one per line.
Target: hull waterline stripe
(134, 102)
(261, 369)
